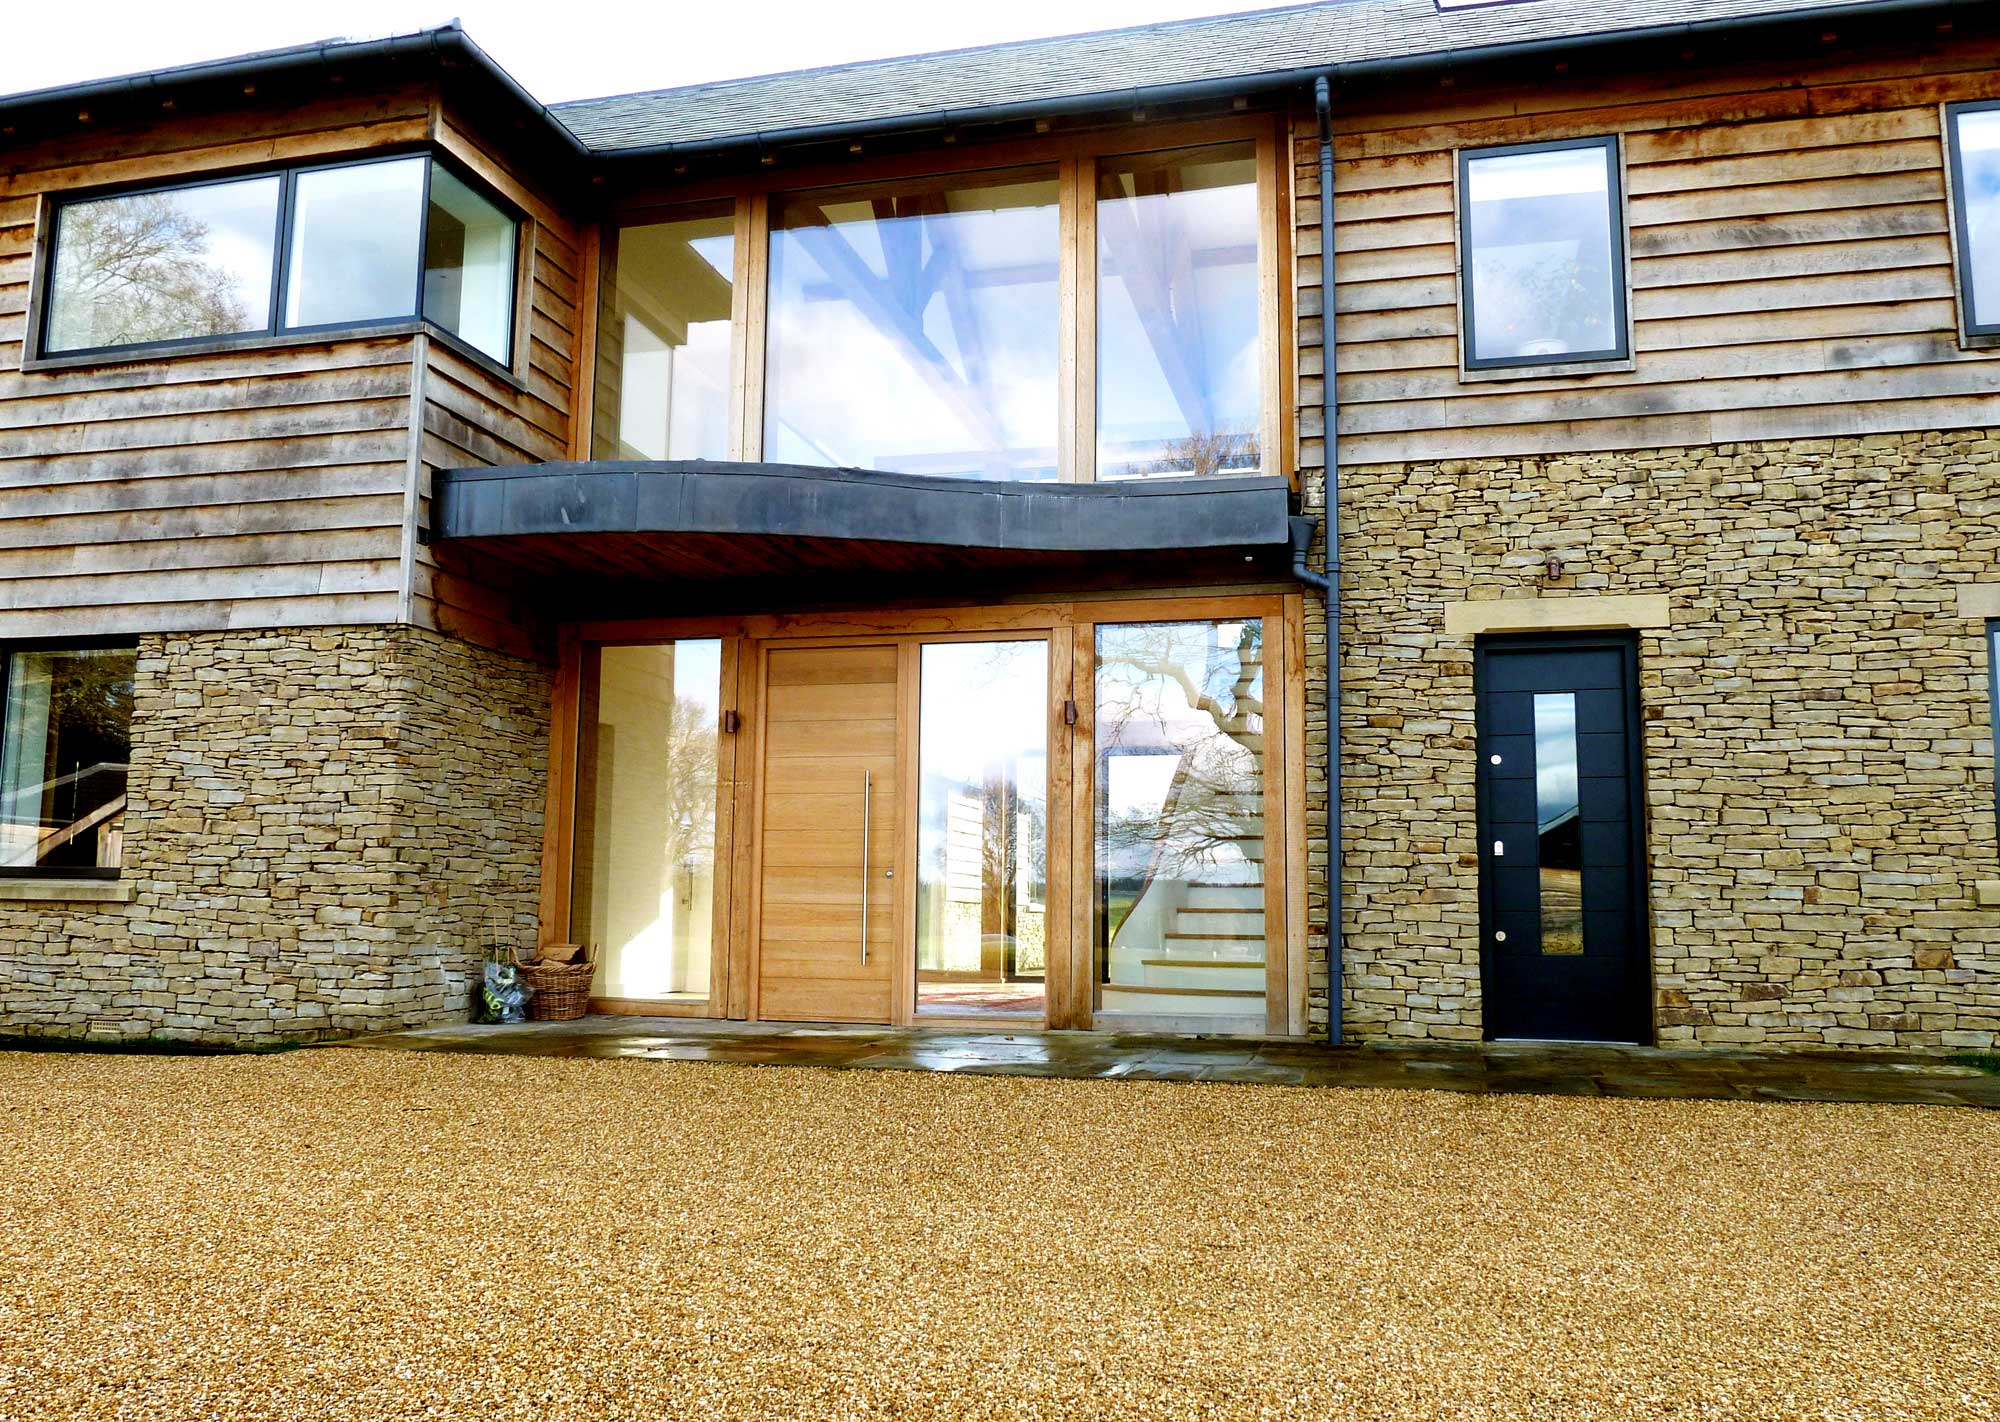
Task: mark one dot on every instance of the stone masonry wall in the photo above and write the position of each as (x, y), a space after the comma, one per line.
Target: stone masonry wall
(325, 828)
(1818, 742)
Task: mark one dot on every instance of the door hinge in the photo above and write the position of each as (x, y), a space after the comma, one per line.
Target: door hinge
(1069, 713)
(731, 723)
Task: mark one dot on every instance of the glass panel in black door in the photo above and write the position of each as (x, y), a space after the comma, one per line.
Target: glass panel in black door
(1564, 954)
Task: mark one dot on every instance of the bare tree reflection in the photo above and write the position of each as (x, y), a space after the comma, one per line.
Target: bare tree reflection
(136, 269)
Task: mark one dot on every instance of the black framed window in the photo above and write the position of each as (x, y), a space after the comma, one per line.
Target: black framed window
(328, 247)
(1542, 243)
(65, 752)
(1972, 141)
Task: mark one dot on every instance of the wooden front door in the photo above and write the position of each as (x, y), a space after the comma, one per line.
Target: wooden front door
(830, 824)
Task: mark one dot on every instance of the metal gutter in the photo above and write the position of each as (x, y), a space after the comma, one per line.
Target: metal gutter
(449, 43)
(1187, 91)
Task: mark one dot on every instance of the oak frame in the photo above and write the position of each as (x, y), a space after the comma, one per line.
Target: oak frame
(1069, 629)
(1074, 157)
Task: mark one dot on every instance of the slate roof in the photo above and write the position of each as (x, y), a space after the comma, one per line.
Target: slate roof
(1265, 43)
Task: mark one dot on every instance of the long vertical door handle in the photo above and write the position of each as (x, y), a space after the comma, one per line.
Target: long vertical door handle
(866, 789)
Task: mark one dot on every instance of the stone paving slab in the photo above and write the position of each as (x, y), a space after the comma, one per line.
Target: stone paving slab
(1542, 1069)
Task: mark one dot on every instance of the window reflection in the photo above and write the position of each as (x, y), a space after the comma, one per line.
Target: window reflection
(982, 828)
(164, 266)
(1177, 354)
(915, 328)
(1542, 264)
(1978, 141)
(1559, 823)
(665, 340)
(643, 886)
(355, 243)
(1180, 818)
(65, 758)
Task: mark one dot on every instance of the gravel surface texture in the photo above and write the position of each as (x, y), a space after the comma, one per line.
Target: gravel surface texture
(334, 1235)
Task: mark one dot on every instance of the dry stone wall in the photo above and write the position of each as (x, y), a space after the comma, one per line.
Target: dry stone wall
(1817, 729)
(325, 829)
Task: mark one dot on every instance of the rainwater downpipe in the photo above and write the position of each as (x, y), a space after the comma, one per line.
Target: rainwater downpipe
(1329, 584)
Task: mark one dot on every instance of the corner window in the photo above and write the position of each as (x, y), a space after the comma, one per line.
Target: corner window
(1543, 258)
(354, 244)
(1972, 136)
(65, 750)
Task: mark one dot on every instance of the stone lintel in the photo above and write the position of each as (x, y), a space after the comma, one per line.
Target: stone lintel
(1979, 600)
(1557, 614)
(68, 891)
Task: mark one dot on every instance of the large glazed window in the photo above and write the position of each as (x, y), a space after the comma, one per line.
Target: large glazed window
(982, 828)
(643, 883)
(1178, 358)
(1543, 254)
(314, 249)
(1973, 131)
(64, 756)
(1180, 832)
(177, 265)
(665, 340)
(915, 329)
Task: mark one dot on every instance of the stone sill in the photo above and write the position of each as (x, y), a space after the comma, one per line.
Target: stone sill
(73, 891)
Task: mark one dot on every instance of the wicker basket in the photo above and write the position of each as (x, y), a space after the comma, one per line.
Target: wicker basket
(562, 990)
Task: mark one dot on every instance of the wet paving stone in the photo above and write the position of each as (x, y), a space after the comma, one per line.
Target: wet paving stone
(1511, 1068)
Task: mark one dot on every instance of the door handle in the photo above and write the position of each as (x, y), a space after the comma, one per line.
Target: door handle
(866, 791)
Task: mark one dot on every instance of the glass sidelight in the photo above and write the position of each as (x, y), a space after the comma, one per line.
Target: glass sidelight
(982, 836)
(643, 881)
(1180, 827)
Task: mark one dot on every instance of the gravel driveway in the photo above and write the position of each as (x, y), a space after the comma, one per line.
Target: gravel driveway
(334, 1235)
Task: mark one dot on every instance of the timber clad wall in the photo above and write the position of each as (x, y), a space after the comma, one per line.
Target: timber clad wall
(1790, 263)
(473, 417)
(259, 487)
(275, 485)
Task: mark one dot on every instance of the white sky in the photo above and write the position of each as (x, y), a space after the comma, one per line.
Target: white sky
(570, 50)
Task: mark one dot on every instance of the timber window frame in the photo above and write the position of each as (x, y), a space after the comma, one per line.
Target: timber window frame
(1616, 356)
(275, 331)
(1075, 158)
(10, 653)
(1972, 332)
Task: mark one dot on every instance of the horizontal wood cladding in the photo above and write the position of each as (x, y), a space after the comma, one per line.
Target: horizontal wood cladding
(274, 484)
(1791, 265)
(474, 417)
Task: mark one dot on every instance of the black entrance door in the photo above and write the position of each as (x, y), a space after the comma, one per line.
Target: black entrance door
(1561, 893)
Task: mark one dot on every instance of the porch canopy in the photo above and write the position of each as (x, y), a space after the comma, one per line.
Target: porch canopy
(635, 524)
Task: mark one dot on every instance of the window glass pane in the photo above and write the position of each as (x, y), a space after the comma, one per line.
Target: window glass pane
(1559, 822)
(164, 266)
(469, 266)
(915, 329)
(1177, 352)
(63, 763)
(1180, 818)
(354, 243)
(665, 340)
(643, 885)
(1978, 197)
(982, 828)
(1541, 258)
